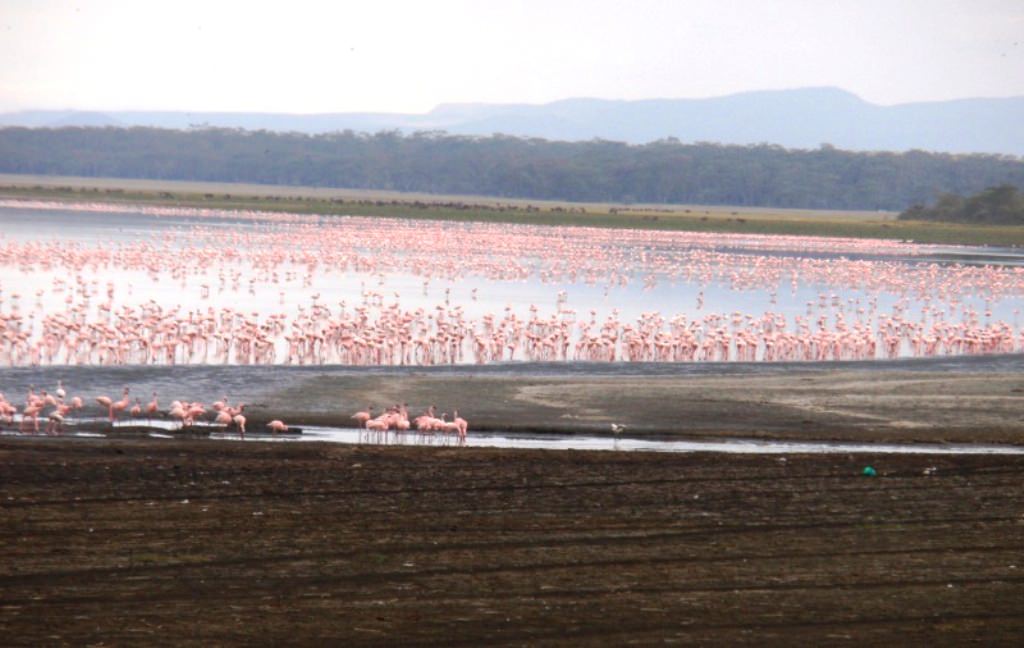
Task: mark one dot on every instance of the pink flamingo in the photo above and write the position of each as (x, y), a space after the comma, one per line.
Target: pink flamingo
(31, 411)
(462, 425)
(119, 406)
(178, 413)
(362, 418)
(239, 420)
(152, 407)
(56, 419)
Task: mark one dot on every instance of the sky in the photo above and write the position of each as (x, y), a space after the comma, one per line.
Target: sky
(393, 56)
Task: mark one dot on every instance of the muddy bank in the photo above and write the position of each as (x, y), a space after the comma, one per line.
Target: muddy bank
(964, 400)
(196, 543)
(834, 405)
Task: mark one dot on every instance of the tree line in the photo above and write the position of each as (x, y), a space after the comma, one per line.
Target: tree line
(666, 171)
(1001, 205)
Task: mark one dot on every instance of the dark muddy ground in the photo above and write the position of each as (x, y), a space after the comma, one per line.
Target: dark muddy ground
(196, 543)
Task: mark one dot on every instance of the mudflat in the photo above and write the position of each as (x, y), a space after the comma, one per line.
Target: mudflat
(957, 400)
(837, 405)
(196, 542)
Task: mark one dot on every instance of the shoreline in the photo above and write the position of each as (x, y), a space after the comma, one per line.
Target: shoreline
(327, 202)
(974, 400)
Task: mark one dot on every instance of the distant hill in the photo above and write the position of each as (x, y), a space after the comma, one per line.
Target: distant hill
(802, 118)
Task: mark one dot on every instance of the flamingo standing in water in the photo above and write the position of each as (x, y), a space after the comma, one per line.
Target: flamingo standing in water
(362, 418)
(462, 424)
(113, 406)
(177, 412)
(106, 401)
(7, 410)
(56, 418)
(448, 426)
(119, 406)
(240, 422)
(152, 407)
(31, 411)
(277, 426)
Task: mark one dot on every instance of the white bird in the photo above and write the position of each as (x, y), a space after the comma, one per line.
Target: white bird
(618, 427)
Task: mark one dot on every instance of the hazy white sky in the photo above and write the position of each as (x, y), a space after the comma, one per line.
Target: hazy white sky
(395, 56)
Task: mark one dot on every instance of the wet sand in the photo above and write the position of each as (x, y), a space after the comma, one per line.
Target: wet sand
(198, 543)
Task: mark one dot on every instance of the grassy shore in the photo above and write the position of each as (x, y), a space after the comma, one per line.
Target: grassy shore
(309, 200)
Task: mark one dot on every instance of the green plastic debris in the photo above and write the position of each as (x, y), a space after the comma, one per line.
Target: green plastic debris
(868, 471)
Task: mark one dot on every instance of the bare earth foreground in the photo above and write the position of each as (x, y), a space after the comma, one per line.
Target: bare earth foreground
(191, 541)
(204, 543)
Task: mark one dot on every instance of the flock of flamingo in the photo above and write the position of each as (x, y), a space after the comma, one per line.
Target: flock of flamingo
(212, 287)
(56, 409)
(396, 418)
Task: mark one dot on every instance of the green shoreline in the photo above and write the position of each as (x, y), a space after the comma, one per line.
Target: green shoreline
(496, 210)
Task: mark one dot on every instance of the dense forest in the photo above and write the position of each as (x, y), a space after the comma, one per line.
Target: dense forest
(1002, 205)
(666, 171)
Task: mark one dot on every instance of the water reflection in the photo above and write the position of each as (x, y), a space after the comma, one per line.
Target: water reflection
(351, 436)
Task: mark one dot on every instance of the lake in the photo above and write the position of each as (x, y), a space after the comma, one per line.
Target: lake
(90, 283)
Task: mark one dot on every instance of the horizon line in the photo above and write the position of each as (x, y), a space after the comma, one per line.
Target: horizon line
(445, 104)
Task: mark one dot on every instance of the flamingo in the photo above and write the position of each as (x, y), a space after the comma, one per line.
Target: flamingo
(56, 419)
(462, 425)
(448, 426)
(31, 411)
(178, 413)
(152, 407)
(378, 333)
(239, 420)
(362, 418)
(118, 406)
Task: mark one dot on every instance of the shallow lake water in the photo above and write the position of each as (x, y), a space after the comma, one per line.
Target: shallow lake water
(352, 436)
(211, 287)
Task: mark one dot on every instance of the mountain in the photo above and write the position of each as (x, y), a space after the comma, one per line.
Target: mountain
(802, 118)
